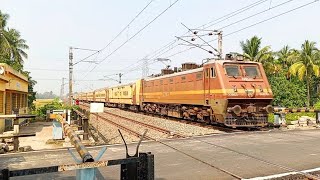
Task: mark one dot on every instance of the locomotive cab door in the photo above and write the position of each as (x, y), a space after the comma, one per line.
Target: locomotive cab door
(206, 85)
(210, 82)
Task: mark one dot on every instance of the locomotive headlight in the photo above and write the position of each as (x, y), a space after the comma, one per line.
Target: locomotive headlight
(269, 109)
(236, 109)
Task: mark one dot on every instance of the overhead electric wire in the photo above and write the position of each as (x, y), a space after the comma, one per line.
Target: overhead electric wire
(265, 20)
(253, 15)
(232, 14)
(256, 14)
(218, 20)
(138, 32)
(140, 12)
(286, 12)
(127, 26)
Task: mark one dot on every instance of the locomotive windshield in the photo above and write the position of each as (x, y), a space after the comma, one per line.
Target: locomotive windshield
(232, 70)
(251, 71)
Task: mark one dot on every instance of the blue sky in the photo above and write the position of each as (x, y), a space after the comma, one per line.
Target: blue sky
(50, 27)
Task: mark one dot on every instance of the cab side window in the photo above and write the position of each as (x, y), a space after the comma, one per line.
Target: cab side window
(212, 72)
(207, 73)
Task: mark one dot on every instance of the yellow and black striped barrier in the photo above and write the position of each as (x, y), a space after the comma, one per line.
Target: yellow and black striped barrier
(294, 110)
(83, 152)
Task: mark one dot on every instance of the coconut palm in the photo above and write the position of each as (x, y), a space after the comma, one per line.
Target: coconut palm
(287, 56)
(307, 65)
(17, 46)
(252, 50)
(4, 44)
(12, 46)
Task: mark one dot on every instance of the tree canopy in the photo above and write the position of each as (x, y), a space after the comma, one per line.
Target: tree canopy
(292, 73)
(13, 52)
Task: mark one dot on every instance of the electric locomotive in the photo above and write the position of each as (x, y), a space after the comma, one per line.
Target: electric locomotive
(232, 91)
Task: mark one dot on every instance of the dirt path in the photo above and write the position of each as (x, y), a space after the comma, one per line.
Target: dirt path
(43, 132)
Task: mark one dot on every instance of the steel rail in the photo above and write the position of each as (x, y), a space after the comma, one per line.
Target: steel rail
(309, 176)
(124, 128)
(83, 152)
(165, 131)
(162, 130)
(174, 148)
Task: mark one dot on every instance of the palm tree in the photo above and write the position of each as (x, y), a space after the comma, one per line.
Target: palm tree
(4, 44)
(252, 50)
(17, 46)
(12, 46)
(307, 65)
(287, 56)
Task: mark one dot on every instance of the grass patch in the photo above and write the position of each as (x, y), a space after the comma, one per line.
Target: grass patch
(292, 116)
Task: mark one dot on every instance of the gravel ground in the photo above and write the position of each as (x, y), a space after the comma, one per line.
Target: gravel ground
(175, 127)
(110, 132)
(136, 127)
(298, 176)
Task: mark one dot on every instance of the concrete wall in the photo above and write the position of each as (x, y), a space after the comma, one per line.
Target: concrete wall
(10, 80)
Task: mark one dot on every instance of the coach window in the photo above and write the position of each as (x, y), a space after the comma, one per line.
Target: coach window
(213, 73)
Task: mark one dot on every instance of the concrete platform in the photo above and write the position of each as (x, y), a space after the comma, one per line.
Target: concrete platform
(246, 155)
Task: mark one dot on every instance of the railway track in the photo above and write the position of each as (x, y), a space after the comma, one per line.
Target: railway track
(233, 175)
(306, 175)
(165, 131)
(183, 121)
(194, 123)
(130, 131)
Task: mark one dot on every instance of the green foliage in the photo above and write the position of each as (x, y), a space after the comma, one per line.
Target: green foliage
(292, 74)
(307, 65)
(292, 116)
(317, 105)
(12, 52)
(288, 93)
(56, 104)
(12, 46)
(31, 93)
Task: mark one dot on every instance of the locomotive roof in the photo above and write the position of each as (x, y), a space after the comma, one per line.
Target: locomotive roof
(175, 74)
(200, 69)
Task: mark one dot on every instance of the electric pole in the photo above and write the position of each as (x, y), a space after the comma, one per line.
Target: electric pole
(145, 68)
(220, 43)
(71, 64)
(70, 75)
(62, 89)
(120, 75)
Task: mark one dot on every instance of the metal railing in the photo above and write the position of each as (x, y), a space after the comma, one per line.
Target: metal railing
(137, 167)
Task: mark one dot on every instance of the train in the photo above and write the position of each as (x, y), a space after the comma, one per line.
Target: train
(230, 91)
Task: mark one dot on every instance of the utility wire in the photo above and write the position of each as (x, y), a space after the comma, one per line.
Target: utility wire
(256, 14)
(126, 26)
(145, 7)
(139, 31)
(218, 20)
(265, 20)
(136, 34)
(232, 14)
(273, 17)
